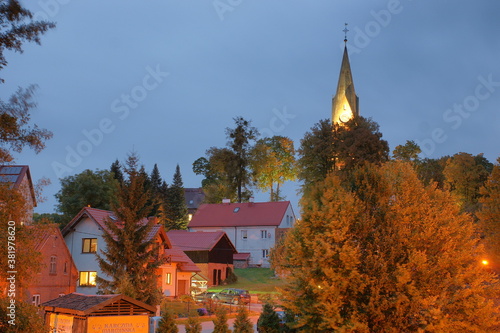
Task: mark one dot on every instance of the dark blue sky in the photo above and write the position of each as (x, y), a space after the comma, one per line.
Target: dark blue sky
(165, 78)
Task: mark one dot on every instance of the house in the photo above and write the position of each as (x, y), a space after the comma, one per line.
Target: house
(194, 197)
(19, 177)
(253, 227)
(212, 252)
(58, 274)
(97, 314)
(84, 237)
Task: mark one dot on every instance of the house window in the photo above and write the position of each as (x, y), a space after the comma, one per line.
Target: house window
(87, 279)
(265, 253)
(263, 234)
(168, 278)
(65, 271)
(53, 265)
(35, 300)
(244, 234)
(89, 245)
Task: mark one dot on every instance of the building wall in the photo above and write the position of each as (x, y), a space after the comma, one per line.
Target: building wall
(50, 285)
(86, 228)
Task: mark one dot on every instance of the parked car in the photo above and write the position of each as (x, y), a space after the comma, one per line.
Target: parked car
(232, 295)
(203, 297)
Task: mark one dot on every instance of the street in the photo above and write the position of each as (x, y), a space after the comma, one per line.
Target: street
(208, 326)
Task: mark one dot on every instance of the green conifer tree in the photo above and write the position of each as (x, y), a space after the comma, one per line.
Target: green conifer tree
(220, 321)
(131, 255)
(242, 324)
(167, 323)
(193, 325)
(268, 320)
(176, 213)
(379, 252)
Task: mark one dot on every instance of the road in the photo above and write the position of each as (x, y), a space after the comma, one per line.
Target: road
(208, 326)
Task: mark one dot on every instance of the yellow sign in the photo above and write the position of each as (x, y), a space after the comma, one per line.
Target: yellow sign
(118, 324)
(61, 323)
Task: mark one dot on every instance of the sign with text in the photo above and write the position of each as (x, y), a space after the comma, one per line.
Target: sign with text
(61, 323)
(118, 324)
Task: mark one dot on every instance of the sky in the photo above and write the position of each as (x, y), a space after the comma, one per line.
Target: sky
(166, 78)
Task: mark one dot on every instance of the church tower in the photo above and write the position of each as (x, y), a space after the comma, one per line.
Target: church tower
(345, 103)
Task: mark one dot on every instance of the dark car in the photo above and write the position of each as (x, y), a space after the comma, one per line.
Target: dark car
(232, 295)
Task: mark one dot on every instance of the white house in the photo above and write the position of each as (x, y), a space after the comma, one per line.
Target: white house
(253, 227)
(83, 236)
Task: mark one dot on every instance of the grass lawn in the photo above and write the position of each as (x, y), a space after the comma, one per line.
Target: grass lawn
(255, 280)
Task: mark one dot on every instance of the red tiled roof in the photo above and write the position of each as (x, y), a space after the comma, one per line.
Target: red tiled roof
(178, 256)
(241, 256)
(196, 241)
(240, 214)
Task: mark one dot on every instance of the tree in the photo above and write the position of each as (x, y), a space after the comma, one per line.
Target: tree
(464, 175)
(273, 162)
(16, 28)
(268, 321)
(430, 171)
(131, 255)
(167, 323)
(408, 152)
(27, 318)
(242, 324)
(489, 215)
(316, 154)
(379, 252)
(116, 170)
(193, 325)
(89, 188)
(176, 213)
(220, 321)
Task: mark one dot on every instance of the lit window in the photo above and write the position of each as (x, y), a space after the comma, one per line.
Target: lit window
(89, 245)
(244, 234)
(265, 253)
(53, 263)
(168, 278)
(35, 300)
(190, 217)
(87, 279)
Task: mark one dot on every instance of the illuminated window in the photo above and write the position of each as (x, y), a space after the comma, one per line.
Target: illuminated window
(168, 278)
(87, 279)
(53, 265)
(190, 217)
(89, 245)
(244, 234)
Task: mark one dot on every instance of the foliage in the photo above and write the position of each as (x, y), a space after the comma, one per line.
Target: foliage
(273, 162)
(16, 28)
(27, 261)
(430, 171)
(227, 170)
(408, 152)
(268, 320)
(379, 252)
(131, 256)
(89, 188)
(193, 325)
(27, 318)
(489, 215)
(464, 175)
(242, 323)
(220, 321)
(176, 213)
(50, 218)
(167, 323)
(116, 170)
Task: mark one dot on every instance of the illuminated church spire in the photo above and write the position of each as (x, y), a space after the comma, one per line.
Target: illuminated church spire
(345, 103)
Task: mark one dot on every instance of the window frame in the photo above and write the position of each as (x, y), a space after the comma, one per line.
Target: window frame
(244, 234)
(53, 265)
(265, 253)
(88, 279)
(91, 241)
(36, 299)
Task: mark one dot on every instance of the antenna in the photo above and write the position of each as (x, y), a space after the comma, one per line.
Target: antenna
(345, 33)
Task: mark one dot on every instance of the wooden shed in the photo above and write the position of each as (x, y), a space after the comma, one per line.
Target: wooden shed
(78, 313)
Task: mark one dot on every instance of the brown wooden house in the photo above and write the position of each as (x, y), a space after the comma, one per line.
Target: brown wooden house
(212, 252)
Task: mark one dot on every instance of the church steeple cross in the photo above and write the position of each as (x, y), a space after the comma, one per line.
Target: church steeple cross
(345, 32)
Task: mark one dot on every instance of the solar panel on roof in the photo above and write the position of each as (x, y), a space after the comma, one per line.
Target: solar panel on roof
(9, 170)
(8, 178)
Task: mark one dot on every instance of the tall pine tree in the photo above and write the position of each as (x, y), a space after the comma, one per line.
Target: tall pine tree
(131, 255)
(176, 213)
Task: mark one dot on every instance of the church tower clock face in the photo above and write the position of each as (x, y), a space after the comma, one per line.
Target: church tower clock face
(345, 116)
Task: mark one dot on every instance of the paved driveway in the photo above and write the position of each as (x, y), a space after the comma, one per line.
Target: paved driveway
(208, 326)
